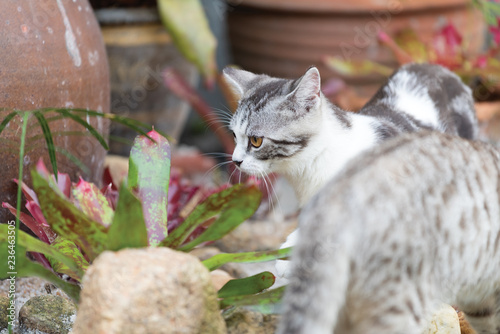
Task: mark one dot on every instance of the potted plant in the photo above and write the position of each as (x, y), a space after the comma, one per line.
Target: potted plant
(52, 56)
(282, 38)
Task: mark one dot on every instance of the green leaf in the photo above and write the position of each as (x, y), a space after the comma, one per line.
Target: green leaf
(34, 245)
(188, 26)
(251, 257)
(352, 68)
(128, 229)
(139, 127)
(89, 127)
(67, 220)
(26, 268)
(48, 139)
(269, 297)
(69, 249)
(232, 206)
(247, 286)
(148, 177)
(88, 198)
(7, 120)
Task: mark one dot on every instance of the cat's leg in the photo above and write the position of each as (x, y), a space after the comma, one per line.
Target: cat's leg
(317, 290)
(394, 308)
(481, 313)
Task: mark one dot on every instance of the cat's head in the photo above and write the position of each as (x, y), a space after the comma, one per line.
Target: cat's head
(275, 119)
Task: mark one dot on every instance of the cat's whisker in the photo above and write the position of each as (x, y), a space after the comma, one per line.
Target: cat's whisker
(213, 168)
(270, 203)
(231, 176)
(273, 193)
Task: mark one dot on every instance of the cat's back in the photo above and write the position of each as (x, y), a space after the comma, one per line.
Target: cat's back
(424, 96)
(391, 233)
(412, 170)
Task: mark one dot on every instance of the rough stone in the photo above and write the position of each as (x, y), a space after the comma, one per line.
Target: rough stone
(154, 290)
(243, 321)
(465, 327)
(444, 321)
(47, 314)
(4, 304)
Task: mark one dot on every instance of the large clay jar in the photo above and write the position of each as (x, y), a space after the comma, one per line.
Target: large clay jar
(284, 37)
(51, 55)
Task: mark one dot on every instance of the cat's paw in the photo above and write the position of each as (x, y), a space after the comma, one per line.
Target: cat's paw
(283, 267)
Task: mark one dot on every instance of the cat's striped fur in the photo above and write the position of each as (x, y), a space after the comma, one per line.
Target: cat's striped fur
(308, 140)
(414, 223)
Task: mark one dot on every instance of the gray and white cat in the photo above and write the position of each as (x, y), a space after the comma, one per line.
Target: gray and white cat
(412, 224)
(289, 127)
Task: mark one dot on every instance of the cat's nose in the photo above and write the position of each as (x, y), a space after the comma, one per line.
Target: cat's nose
(237, 163)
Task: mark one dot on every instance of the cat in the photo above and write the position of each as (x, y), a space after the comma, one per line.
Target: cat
(412, 224)
(289, 127)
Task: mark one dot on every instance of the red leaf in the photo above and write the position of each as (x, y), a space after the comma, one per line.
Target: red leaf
(37, 214)
(30, 222)
(108, 179)
(64, 183)
(28, 192)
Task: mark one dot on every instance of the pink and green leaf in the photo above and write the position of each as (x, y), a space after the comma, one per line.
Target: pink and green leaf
(148, 177)
(69, 249)
(67, 220)
(231, 207)
(248, 285)
(88, 198)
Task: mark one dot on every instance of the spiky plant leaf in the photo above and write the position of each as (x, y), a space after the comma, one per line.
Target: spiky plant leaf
(231, 207)
(148, 177)
(48, 139)
(128, 229)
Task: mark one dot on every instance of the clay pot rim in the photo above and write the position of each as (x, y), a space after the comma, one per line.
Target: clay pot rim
(349, 7)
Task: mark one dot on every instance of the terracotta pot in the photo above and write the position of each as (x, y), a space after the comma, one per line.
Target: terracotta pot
(52, 56)
(139, 49)
(283, 38)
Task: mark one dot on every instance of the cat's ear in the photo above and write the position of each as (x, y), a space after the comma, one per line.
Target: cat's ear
(307, 89)
(238, 80)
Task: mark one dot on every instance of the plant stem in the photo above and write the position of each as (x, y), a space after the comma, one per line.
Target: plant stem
(19, 193)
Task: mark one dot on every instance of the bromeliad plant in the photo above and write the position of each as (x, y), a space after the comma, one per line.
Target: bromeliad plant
(77, 222)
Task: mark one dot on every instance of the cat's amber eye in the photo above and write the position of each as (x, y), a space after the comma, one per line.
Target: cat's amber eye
(256, 141)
